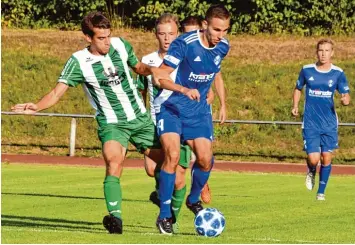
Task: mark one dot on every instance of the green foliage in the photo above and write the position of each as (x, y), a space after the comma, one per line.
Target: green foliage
(148, 13)
(64, 14)
(307, 17)
(304, 17)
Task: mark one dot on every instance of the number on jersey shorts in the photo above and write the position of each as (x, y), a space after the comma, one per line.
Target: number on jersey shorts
(192, 128)
(141, 132)
(316, 141)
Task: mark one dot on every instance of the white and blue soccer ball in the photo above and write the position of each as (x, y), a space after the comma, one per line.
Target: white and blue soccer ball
(209, 222)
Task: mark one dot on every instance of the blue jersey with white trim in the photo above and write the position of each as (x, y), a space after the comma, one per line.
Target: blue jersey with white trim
(319, 111)
(196, 67)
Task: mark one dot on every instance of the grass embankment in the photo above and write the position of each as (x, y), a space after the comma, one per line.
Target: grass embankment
(259, 73)
(64, 204)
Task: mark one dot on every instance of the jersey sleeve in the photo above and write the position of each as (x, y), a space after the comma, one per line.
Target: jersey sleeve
(176, 53)
(132, 59)
(142, 82)
(225, 47)
(71, 73)
(300, 81)
(343, 86)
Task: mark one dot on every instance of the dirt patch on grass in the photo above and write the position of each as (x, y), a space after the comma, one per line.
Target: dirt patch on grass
(245, 49)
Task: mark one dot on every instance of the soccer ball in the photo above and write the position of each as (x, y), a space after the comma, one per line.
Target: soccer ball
(209, 222)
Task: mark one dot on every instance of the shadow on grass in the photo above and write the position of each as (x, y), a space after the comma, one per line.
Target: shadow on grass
(70, 225)
(63, 196)
(52, 223)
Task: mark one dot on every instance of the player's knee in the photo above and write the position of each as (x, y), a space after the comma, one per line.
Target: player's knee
(326, 159)
(179, 182)
(149, 167)
(204, 162)
(172, 157)
(113, 165)
(313, 161)
(313, 158)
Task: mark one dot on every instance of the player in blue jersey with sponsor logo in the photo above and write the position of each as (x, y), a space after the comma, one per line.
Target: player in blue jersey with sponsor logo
(320, 121)
(183, 115)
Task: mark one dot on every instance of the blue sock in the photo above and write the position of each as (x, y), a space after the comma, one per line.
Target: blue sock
(324, 174)
(166, 188)
(199, 179)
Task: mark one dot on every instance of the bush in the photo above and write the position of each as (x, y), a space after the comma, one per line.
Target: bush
(304, 17)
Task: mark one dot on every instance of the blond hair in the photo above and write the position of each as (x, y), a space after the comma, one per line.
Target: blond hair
(167, 18)
(324, 41)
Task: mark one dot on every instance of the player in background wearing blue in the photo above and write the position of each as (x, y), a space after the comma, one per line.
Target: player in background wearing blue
(183, 114)
(320, 121)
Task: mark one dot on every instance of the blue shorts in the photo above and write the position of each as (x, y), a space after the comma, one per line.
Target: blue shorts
(188, 129)
(319, 141)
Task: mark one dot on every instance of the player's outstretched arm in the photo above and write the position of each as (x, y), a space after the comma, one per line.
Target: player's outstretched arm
(160, 81)
(47, 101)
(296, 100)
(345, 99)
(219, 85)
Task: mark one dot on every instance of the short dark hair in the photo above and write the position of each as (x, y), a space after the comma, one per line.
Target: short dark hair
(217, 11)
(94, 20)
(192, 21)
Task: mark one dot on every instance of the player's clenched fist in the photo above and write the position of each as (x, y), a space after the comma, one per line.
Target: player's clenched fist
(26, 108)
(295, 111)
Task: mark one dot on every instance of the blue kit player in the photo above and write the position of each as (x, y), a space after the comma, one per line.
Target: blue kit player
(183, 115)
(320, 122)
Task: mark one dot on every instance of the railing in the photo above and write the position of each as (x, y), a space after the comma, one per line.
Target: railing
(74, 116)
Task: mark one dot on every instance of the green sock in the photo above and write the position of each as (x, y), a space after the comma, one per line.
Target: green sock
(178, 200)
(113, 195)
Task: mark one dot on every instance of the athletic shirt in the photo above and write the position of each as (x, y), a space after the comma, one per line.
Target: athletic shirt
(196, 67)
(152, 59)
(107, 81)
(319, 111)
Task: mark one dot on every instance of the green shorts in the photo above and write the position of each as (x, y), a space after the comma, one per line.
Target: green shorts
(185, 156)
(141, 132)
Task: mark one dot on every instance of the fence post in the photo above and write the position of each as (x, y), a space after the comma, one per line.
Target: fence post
(72, 137)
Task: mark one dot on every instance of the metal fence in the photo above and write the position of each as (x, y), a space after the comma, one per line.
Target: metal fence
(74, 116)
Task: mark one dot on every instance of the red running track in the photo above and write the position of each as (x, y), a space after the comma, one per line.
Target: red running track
(138, 163)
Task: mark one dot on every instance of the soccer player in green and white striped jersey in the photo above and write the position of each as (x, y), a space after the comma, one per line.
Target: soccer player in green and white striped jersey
(103, 70)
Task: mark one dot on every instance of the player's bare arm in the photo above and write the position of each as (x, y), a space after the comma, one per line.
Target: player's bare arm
(345, 99)
(210, 96)
(163, 83)
(142, 69)
(47, 101)
(296, 100)
(219, 85)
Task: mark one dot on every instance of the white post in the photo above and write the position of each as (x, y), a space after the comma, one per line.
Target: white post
(72, 137)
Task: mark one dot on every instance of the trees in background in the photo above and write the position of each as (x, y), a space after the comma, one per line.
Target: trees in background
(305, 17)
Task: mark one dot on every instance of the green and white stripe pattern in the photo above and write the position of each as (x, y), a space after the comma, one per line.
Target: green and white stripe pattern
(151, 59)
(107, 81)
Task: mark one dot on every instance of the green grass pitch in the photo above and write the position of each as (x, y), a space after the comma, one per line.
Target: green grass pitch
(64, 204)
